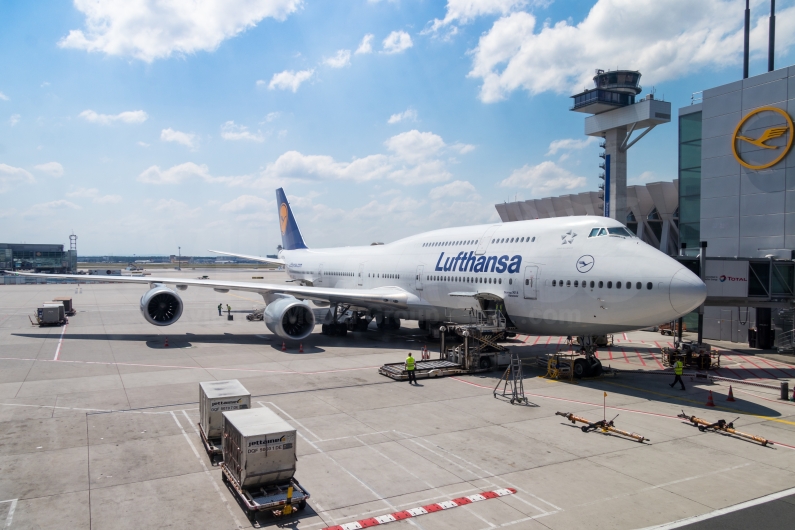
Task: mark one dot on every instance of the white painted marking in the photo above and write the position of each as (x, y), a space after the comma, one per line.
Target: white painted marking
(11, 509)
(723, 511)
(417, 511)
(351, 526)
(477, 497)
(60, 341)
(446, 505)
(206, 471)
(383, 519)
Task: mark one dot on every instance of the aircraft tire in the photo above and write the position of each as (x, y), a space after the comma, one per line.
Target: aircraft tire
(581, 368)
(341, 330)
(485, 363)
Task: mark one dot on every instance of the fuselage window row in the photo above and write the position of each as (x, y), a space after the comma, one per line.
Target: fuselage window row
(475, 241)
(628, 285)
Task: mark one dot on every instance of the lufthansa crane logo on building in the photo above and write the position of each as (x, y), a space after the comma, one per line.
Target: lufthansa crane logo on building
(283, 218)
(771, 139)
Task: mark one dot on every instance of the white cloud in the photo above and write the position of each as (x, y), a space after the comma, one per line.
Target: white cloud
(271, 116)
(644, 178)
(396, 42)
(462, 148)
(570, 144)
(246, 203)
(465, 11)
(407, 115)
(457, 188)
(288, 80)
(3, 97)
(130, 116)
(544, 179)
(54, 169)
(174, 208)
(153, 29)
(230, 131)
(664, 40)
(366, 45)
(143, 144)
(11, 176)
(14, 119)
(415, 158)
(170, 135)
(50, 208)
(95, 196)
(176, 174)
(340, 60)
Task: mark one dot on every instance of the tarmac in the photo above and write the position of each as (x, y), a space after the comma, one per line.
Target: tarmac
(98, 425)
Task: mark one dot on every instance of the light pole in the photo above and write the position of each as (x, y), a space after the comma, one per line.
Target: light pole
(179, 262)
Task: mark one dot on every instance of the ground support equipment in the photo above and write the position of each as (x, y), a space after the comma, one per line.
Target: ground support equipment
(700, 356)
(513, 377)
(257, 315)
(422, 370)
(602, 425)
(212, 446)
(722, 426)
(280, 500)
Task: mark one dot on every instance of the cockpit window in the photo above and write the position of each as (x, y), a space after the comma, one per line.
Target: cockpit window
(602, 232)
(594, 232)
(619, 231)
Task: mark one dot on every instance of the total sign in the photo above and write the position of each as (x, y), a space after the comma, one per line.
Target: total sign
(727, 278)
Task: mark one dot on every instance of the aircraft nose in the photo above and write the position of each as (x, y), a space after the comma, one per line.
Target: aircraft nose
(687, 291)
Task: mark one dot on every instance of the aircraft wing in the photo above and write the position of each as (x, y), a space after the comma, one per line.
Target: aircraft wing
(379, 298)
(275, 261)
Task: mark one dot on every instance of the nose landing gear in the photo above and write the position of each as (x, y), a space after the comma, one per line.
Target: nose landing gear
(590, 366)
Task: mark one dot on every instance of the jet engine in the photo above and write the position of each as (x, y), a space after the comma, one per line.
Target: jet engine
(289, 318)
(161, 306)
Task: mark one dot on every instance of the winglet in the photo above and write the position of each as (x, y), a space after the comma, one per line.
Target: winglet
(291, 235)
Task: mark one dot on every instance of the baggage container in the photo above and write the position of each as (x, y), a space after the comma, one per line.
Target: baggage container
(258, 447)
(67, 305)
(50, 313)
(216, 397)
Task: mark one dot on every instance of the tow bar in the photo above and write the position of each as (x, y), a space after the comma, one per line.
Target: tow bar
(722, 426)
(602, 425)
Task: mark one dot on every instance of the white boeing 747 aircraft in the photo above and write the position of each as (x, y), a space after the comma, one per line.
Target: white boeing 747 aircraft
(578, 276)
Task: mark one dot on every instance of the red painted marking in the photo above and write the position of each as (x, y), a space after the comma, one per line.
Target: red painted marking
(366, 523)
(776, 367)
(625, 336)
(526, 339)
(596, 354)
(641, 358)
(657, 360)
(432, 508)
(610, 352)
(738, 376)
(401, 515)
(757, 366)
(560, 339)
(549, 339)
(338, 527)
(536, 341)
(463, 500)
(670, 345)
(625, 354)
(489, 494)
(657, 344)
(512, 490)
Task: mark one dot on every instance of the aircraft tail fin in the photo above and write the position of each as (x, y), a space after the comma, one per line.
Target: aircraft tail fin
(291, 234)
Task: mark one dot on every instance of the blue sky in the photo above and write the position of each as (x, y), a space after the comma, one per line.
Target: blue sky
(147, 125)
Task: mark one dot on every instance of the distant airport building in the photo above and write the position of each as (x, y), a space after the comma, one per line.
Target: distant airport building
(652, 211)
(37, 258)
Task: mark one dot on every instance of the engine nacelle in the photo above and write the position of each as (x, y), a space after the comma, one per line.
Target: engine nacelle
(161, 306)
(289, 318)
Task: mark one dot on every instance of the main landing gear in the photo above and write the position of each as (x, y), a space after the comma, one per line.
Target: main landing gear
(590, 366)
(340, 320)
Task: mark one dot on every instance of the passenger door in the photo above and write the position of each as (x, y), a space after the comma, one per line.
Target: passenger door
(485, 240)
(531, 282)
(419, 277)
(320, 275)
(361, 274)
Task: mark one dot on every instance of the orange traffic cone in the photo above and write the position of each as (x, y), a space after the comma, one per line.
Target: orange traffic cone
(731, 395)
(166, 344)
(710, 403)
(301, 347)
(284, 347)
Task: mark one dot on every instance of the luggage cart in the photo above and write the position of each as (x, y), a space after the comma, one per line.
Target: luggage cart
(274, 498)
(213, 447)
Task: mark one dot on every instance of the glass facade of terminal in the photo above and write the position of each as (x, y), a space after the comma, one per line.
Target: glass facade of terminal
(690, 179)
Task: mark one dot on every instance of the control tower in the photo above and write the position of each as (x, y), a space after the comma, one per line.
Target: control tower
(616, 116)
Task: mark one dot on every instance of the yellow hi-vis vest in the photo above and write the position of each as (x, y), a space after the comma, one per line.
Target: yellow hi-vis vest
(409, 363)
(678, 367)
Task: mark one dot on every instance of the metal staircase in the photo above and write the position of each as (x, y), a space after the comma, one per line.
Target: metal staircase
(512, 382)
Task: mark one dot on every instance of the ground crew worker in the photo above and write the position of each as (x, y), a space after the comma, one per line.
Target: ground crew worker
(678, 368)
(219, 309)
(228, 309)
(410, 369)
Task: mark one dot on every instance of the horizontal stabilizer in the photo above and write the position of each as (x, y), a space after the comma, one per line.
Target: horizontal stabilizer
(275, 261)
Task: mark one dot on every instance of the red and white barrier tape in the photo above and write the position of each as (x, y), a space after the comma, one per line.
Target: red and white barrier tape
(422, 510)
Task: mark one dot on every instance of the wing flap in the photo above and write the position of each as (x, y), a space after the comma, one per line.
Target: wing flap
(275, 261)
